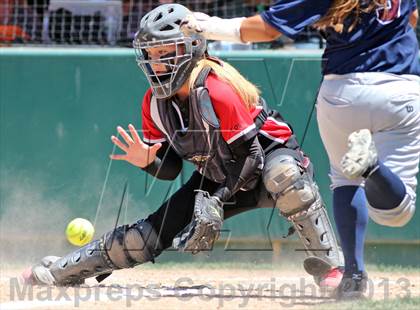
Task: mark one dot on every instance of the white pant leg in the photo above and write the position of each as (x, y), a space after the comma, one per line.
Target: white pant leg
(389, 106)
(339, 113)
(397, 139)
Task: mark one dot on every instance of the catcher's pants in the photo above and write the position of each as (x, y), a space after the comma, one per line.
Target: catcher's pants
(176, 213)
(386, 104)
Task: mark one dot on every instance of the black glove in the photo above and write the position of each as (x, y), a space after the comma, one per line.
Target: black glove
(204, 229)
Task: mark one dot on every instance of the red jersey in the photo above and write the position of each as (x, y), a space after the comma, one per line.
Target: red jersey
(236, 121)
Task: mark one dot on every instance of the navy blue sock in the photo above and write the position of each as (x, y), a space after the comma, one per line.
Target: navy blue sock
(351, 218)
(384, 189)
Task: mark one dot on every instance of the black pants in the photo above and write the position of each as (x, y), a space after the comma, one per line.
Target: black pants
(176, 213)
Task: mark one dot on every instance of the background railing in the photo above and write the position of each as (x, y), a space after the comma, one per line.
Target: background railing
(111, 22)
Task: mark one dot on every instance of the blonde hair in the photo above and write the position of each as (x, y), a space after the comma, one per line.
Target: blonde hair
(341, 9)
(247, 91)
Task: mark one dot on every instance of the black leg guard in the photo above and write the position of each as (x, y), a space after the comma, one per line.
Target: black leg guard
(317, 235)
(90, 260)
(124, 247)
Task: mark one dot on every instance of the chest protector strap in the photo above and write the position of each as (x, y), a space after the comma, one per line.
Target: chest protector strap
(205, 106)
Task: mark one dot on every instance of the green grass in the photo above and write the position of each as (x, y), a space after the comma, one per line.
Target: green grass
(393, 268)
(295, 266)
(389, 304)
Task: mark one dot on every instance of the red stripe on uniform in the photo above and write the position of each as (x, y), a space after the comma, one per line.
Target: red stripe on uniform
(276, 130)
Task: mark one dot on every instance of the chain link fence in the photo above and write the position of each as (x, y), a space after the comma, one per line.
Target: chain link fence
(113, 22)
(108, 22)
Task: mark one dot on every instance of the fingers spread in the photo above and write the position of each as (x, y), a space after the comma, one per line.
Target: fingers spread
(135, 134)
(125, 135)
(118, 143)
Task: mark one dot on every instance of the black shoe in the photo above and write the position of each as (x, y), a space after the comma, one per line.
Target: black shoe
(352, 286)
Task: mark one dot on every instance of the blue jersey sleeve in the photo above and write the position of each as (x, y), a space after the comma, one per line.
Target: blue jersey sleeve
(291, 16)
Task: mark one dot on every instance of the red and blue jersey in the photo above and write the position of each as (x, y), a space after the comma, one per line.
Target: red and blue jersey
(382, 41)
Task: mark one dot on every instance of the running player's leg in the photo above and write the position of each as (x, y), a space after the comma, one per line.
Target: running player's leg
(337, 118)
(391, 187)
(389, 157)
(371, 101)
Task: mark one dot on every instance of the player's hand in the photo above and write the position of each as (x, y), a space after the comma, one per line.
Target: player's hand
(191, 23)
(204, 229)
(136, 151)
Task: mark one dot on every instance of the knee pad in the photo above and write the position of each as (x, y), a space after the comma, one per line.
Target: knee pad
(297, 197)
(130, 245)
(396, 217)
(290, 186)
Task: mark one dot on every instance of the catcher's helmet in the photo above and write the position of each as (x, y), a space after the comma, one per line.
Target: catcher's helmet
(160, 27)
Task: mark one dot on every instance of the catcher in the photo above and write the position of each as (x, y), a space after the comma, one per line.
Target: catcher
(201, 110)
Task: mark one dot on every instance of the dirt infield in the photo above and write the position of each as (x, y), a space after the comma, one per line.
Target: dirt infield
(183, 287)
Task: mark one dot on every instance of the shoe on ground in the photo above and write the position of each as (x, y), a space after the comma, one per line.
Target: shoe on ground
(331, 280)
(352, 286)
(40, 274)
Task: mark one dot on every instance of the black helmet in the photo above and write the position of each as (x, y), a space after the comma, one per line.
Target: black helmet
(160, 27)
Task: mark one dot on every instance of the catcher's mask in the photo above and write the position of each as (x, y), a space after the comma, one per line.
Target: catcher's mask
(159, 31)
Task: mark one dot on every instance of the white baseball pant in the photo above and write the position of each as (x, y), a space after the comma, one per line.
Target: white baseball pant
(389, 106)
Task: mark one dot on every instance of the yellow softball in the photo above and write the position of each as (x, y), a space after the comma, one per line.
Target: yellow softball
(79, 231)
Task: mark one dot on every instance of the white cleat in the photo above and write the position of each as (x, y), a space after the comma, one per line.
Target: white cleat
(361, 155)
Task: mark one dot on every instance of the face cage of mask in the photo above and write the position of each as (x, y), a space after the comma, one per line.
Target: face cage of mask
(162, 83)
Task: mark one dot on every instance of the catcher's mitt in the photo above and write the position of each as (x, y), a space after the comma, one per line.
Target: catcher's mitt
(204, 229)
